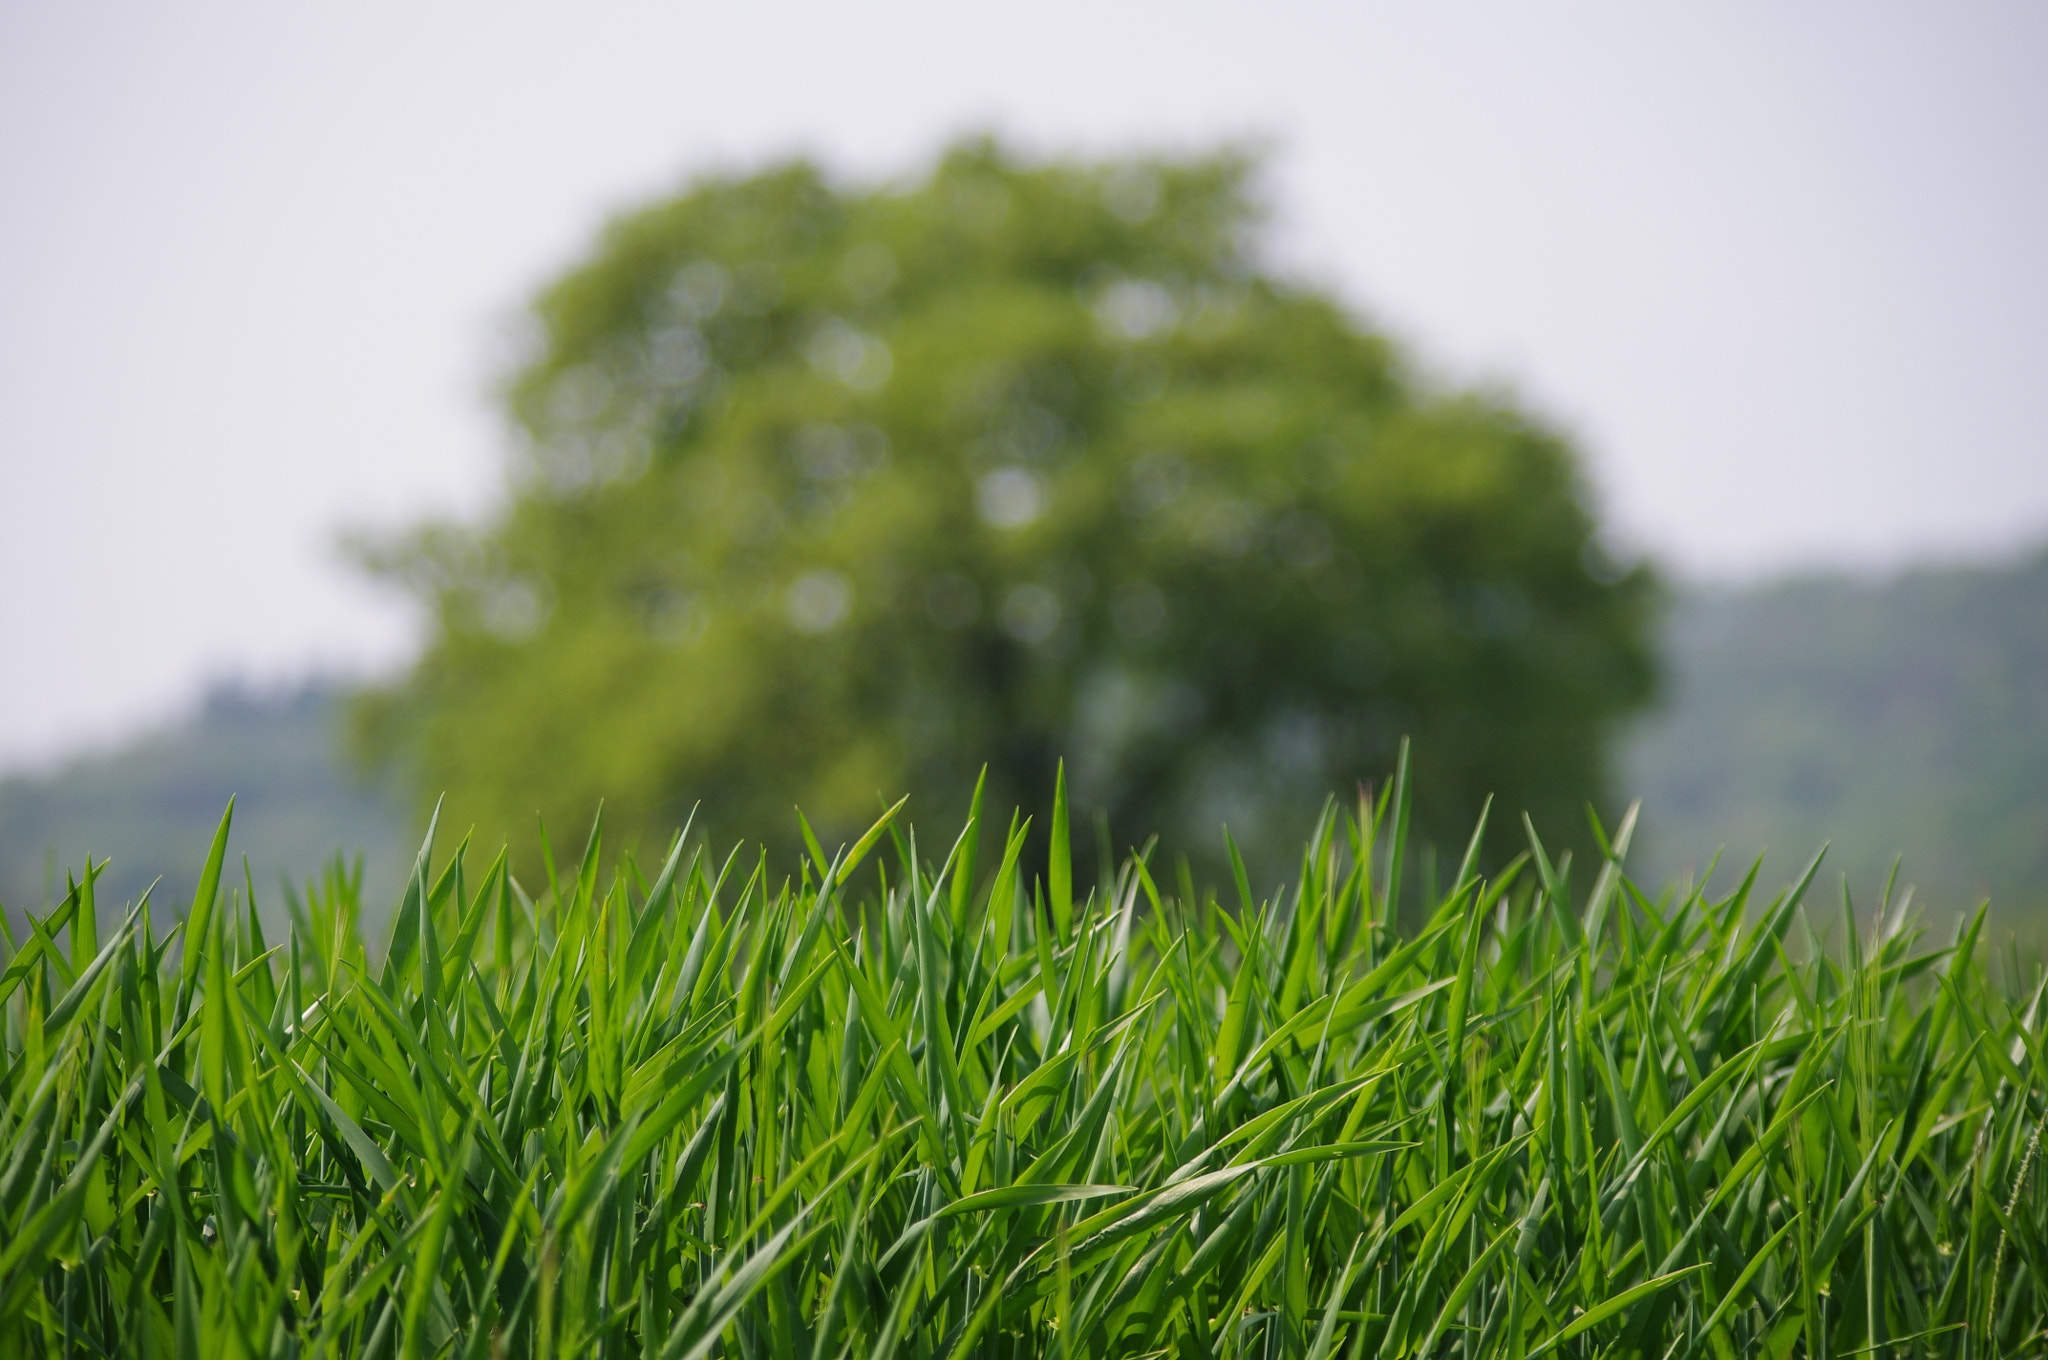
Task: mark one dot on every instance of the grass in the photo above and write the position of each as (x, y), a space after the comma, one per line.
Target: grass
(916, 1099)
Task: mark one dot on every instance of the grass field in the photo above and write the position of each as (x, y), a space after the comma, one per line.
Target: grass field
(915, 1098)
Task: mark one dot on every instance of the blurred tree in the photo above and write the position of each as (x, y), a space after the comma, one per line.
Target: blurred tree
(826, 492)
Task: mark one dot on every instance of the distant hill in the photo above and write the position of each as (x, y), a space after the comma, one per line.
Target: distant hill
(1906, 716)
(153, 806)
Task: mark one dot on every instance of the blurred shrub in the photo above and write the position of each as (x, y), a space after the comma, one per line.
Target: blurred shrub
(823, 490)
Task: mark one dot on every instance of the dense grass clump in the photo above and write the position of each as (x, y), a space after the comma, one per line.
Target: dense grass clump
(907, 1102)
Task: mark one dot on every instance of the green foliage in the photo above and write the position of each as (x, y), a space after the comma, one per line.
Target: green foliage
(826, 490)
(910, 1103)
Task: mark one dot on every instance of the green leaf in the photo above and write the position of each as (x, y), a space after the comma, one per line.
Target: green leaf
(1608, 1308)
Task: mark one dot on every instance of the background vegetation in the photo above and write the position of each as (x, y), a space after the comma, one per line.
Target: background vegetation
(1908, 716)
(148, 807)
(941, 1111)
(1900, 716)
(826, 490)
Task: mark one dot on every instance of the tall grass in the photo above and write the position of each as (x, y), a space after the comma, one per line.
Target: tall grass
(916, 1099)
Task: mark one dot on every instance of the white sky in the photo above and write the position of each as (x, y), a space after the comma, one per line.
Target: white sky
(1779, 266)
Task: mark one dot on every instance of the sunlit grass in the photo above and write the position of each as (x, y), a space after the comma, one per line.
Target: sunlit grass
(914, 1098)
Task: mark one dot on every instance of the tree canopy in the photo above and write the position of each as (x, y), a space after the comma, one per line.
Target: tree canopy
(825, 492)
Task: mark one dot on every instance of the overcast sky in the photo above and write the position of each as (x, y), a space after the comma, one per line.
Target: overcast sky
(1778, 267)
